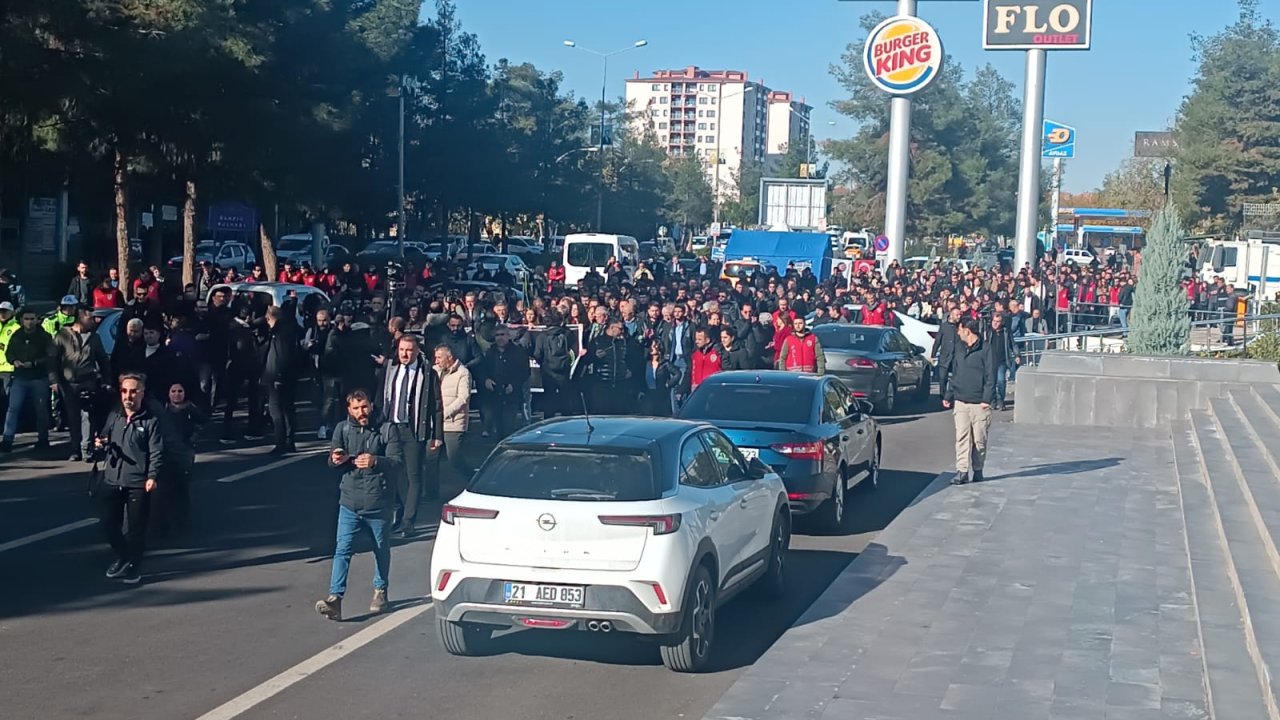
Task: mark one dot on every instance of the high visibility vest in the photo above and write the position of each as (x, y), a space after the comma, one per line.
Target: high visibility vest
(7, 329)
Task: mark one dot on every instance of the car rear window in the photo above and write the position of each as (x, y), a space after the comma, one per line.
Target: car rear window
(771, 403)
(843, 337)
(604, 475)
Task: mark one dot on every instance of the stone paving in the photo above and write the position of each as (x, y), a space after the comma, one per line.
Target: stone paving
(1057, 589)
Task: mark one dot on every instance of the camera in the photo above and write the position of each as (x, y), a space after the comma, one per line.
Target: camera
(395, 276)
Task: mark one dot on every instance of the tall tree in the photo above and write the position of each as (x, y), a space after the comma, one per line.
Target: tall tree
(690, 203)
(1229, 125)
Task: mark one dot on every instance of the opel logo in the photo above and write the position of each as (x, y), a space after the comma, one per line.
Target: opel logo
(547, 522)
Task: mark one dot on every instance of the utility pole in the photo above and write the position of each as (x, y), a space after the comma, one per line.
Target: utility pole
(1024, 249)
(1056, 201)
(400, 219)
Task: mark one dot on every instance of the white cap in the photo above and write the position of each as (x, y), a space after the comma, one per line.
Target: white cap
(6, 306)
(70, 300)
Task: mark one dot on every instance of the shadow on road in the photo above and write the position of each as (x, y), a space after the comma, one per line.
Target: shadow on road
(1059, 468)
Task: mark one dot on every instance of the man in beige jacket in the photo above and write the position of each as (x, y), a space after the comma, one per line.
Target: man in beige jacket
(455, 395)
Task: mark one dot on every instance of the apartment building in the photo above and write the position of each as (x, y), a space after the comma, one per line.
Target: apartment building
(721, 116)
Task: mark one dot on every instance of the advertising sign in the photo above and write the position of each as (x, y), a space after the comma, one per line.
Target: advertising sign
(1154, 144)
(233, 217)
(796, 203)
(903, 55)
(1058, 141)
(1037, 24)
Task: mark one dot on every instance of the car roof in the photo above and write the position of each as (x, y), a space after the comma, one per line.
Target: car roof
(606, 431)
(855, 326)
(268, 287)
(784, 378)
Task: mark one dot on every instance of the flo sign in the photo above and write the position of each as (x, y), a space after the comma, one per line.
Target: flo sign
(902, 55)
(1037, 24)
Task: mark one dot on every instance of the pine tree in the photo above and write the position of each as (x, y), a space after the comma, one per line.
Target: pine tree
(1160, 323)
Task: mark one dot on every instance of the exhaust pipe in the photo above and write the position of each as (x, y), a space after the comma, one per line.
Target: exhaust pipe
(593, 626)
(605, 626)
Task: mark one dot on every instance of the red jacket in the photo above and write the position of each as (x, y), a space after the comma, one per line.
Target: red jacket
(706, 362)
(780, 335)
(107, 298)
(802, 354)
(873, 315)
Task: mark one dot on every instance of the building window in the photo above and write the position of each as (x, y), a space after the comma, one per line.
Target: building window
(711, 113)
(656, 87)
(662, 100)
(662, 126)
(700, 113)
(664, 113)
(702, 101)
(702, 126)
(663, 138)
(713, 126)
(655, 112)
(713, 101)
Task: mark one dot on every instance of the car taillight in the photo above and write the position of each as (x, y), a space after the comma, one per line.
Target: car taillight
(800, 451)
(859, 362)
(659, 524)
(444, 580)
(449, 513)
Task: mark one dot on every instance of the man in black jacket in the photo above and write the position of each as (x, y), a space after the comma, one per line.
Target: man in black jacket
(411, 404)
(611, 370)
(502, 375)
(734, 354)
(944, 347)
(132, 444)
(371, 461)
(1004, 357)
(971, 391)
(280, 376)
(554, 353)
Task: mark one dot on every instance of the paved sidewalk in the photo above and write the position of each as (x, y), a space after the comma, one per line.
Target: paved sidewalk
(1057, 589)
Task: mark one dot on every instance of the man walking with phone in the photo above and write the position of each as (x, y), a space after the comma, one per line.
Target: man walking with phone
(970, 391)
(371, 461)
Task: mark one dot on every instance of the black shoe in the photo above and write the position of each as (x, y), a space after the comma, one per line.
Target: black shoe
(279, 450)
(960, 478)
(76, 458)
(117, 569)
(254, 435)
(977, 476)
(291, 448)
(131, 576)
(41, 445)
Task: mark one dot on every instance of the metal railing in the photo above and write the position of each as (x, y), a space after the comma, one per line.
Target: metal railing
(1211, 331)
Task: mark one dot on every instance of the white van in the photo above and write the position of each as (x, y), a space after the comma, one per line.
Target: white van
(583, 251)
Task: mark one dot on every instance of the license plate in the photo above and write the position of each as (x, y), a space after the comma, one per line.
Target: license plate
(514, 593)
(750, 453)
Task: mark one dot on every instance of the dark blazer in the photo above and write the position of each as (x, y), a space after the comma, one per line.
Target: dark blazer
(427, 410)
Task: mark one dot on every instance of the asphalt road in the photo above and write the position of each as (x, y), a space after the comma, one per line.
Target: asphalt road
(230, 608)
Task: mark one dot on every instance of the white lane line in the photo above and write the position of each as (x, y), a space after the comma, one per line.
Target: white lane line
(303, 455)
(73, 526)
(239, 705)
(46, 534)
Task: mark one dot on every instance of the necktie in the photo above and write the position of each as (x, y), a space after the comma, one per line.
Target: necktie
(405, 375)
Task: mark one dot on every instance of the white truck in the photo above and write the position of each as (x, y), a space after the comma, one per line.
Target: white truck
(1252, 263)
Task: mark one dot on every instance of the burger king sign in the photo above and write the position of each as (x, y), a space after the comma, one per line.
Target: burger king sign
(903, 55)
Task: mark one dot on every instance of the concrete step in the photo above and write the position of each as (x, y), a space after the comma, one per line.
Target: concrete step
(1250, 567)
(1264, 426)
(1270, 396)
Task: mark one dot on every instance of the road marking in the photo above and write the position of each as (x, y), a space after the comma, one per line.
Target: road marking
(46, 534)
(239, 705)
(303, 455)
(73, 526)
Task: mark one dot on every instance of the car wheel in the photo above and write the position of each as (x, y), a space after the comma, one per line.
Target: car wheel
(690, 651)
(872, 480)
(832, 511)
(774, 583)
(464, 639)
(890, 398)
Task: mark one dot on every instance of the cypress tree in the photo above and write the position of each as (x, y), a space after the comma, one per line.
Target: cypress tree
(1160, 323)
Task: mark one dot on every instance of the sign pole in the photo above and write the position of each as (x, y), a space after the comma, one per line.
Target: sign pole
(1029, 171)
(899, 167)
(1057, 202)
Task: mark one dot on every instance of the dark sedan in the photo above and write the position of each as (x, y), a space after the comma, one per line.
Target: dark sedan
(809, 428)
(878, 363)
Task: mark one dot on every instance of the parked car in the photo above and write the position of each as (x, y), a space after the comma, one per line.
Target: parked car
(474, 249)
(513, 263)
(876, 362)
(811, 429)
(383, 251)
(1076, 255)
(634, 525)
(296, 248)
(524, 246)
(266, 294)
(223, 255)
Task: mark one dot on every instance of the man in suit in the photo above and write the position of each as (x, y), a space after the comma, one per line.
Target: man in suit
(280, 375)
(413, 410)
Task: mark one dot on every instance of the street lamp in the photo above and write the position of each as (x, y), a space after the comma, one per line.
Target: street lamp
(403, 83)
(604, 83)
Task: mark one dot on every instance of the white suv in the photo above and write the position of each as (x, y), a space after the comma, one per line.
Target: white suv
(638, 525)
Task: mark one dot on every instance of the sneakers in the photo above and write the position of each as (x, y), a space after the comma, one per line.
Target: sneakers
(130, 575)
(330, 607)
(322, 433)
(77, 457)
(117, 569)
(379, 602)
(960, 478)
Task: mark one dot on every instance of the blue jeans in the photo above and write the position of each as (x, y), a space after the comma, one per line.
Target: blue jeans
(1002, 384)
(349, 523)
(1123, 314)
(20, 391)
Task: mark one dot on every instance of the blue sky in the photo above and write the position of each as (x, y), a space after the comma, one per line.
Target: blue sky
(1134, 78)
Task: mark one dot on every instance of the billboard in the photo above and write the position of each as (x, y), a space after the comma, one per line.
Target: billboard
(1151, 144)
(1058, 141)
(1037, 24)
(797, 203)
(902, 55)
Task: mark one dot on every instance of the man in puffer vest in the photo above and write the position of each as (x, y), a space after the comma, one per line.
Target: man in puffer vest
(364, 448)
(801, 351)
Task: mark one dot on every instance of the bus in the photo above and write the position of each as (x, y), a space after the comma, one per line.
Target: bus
(583, 251)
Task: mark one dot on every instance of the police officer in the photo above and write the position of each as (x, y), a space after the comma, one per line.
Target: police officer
(8, 326)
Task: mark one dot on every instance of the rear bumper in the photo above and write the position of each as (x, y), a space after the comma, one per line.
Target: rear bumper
(864, 385)
(806, 493)
(480, 600)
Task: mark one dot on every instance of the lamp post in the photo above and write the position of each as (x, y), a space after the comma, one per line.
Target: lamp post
(604, 83)
(403, 83)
